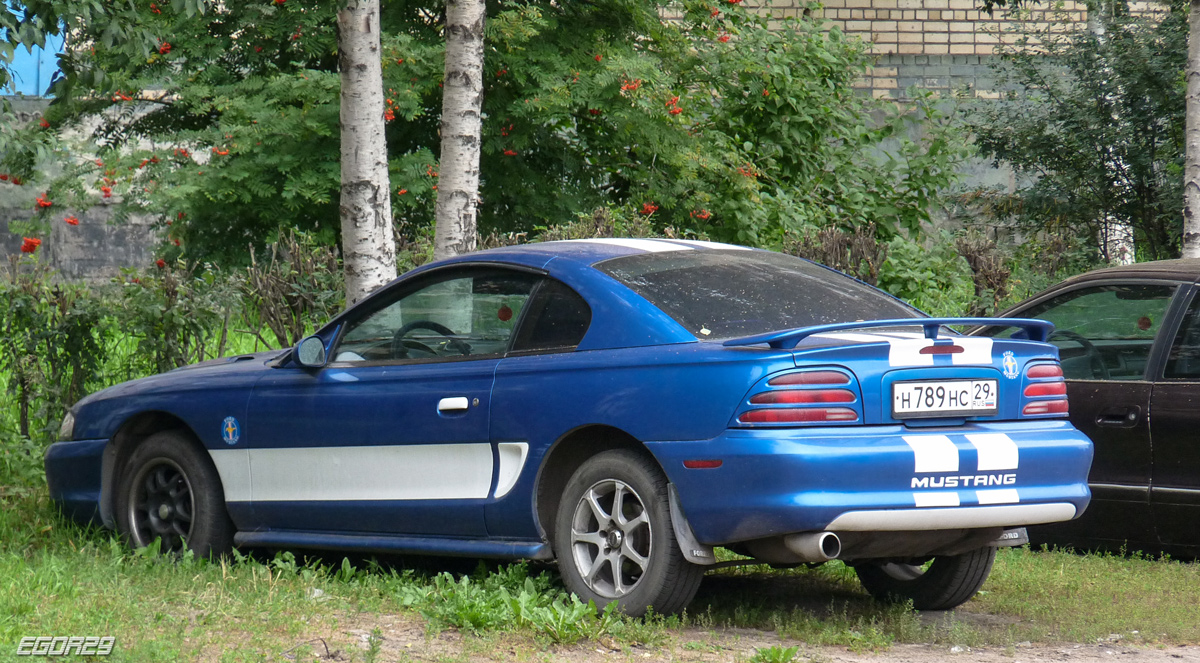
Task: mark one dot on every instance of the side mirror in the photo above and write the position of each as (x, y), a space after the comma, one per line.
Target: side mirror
(310, 352)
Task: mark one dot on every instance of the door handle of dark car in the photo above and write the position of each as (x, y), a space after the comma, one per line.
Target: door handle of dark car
(1120, 418)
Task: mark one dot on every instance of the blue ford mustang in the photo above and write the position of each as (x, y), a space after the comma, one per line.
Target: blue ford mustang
(621, 405)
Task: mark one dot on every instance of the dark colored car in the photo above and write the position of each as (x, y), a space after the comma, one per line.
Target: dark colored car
(621, 405)
(1129, 342)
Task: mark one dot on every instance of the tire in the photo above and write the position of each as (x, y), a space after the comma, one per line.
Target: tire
(632, 559)
(948, 582)
(169, 489)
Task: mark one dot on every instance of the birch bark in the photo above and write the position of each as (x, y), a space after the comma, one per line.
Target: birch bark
(1191, 167)
(462, 100)
(368, 246)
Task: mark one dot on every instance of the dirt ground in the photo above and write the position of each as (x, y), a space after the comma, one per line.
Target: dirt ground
(404, 638)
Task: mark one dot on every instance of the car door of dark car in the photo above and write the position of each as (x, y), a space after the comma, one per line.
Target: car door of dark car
(1175, 493)
(391, 436)
(1105, 334)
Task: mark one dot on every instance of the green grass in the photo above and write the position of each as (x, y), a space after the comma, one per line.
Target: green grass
(56, 578)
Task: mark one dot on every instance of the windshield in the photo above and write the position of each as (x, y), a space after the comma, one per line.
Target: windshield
(721, 294)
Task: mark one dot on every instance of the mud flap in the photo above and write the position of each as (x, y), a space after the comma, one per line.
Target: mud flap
(693, 550)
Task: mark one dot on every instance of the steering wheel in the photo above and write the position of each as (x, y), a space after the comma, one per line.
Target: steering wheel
(400, 344)
(1093, 353)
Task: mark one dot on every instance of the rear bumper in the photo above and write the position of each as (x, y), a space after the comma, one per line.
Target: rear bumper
(879, 478)
(73, 474)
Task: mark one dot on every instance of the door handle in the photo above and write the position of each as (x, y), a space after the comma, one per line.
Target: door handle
(1120, 418)
(455, 404)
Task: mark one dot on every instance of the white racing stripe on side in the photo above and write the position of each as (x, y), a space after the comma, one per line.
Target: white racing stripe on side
(650, 245)
(933, 453)
(976, 350)
(399, 472)
(943, 498)
(997, 451)
(512, 461)
(1001, 496)
(233, 466)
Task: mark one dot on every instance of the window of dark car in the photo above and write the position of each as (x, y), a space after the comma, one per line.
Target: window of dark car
(447, 316)
(719, 294)
(1103, 332)
(1183, 362)
(556, 319)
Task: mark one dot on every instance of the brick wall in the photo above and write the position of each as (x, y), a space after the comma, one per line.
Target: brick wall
(941, 45)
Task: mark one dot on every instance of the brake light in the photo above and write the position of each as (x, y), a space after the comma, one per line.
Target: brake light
(1044, 371)
(810, 377)
(792, 415)
(1046, 407)
(803, 397)
(1045, 391)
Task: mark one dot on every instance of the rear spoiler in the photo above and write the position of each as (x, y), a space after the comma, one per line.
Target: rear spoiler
(786, 339)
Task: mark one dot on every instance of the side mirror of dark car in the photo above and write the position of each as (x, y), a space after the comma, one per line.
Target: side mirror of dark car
(310, 352)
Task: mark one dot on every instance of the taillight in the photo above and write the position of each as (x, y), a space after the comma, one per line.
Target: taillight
(789, 415)
(803, 397)
(810, 377)
(1045, 391)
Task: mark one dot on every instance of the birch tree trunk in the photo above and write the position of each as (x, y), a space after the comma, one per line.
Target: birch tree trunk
(462, 100)
(368, 246)
(1191, 167)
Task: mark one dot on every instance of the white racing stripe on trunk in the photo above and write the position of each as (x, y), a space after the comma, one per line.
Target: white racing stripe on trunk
(944, 498)
(650, 245)
(976, 350)
(852, 337)
(907, 352)
(399, 472)
(1002, 496)
(933, 453)
(997, 451)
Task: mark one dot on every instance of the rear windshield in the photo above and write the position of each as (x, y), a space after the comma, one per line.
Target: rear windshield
(721, 294)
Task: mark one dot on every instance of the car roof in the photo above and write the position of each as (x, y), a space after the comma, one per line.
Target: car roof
(587, 251)
(1181, 269)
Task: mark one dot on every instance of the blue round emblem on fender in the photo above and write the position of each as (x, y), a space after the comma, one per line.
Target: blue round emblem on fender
(230, 430)
(1010, 366)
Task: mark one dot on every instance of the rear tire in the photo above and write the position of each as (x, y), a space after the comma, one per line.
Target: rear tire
(170, 490)
(948, 581)
(614, 540)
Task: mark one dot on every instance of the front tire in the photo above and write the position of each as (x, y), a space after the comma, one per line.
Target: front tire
(614, 540)
(948, 581)
(170, 490)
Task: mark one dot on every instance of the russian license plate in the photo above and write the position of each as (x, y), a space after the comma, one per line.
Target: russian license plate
(935, 398)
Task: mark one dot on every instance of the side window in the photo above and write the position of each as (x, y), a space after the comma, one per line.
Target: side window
(1105, 332)
(557, 319)
(1184, 360)
(451, 318)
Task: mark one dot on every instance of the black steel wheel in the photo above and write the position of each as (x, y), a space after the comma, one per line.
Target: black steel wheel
(170, 491)
(614, 540)
(946, 582)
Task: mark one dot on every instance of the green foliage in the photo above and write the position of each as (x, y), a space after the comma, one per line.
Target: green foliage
(508, 598)
(225, 122)
(775, 654)
(1095, 124)
(50, 345)
(931, 276)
